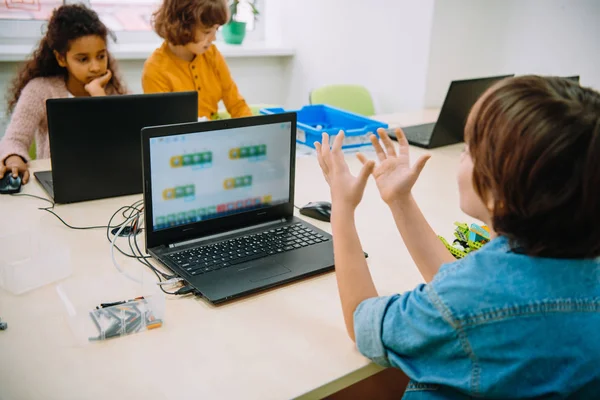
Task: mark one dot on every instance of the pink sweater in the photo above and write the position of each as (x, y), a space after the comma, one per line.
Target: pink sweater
(29, 120)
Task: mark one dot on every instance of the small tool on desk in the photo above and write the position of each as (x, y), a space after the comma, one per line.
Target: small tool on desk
(122, 318)
(116, 303)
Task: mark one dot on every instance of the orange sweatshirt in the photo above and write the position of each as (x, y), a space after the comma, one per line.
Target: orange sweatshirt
(208, 74)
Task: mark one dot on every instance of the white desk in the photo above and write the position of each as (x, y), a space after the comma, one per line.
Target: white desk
(278, 344)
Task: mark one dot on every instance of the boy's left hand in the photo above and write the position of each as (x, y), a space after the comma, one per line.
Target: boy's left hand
(346, 189)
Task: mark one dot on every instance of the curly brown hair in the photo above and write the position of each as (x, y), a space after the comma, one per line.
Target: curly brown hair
(67, 23)
(176, 21)
(535, 145)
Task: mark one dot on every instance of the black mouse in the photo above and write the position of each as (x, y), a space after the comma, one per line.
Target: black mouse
(320, 210)
(9, 184)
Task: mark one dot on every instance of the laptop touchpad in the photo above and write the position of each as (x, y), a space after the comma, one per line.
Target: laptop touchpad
(266, 271)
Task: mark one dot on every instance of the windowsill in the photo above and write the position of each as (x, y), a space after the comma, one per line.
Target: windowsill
(141, 51)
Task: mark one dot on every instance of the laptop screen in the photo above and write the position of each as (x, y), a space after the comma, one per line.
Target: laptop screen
(208, 175)
(461, 96)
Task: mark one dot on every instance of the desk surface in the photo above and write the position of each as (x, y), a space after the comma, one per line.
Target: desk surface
(274, 345)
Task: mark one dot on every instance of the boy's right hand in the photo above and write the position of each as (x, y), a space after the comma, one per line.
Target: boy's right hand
(15, 165)
(394, 176)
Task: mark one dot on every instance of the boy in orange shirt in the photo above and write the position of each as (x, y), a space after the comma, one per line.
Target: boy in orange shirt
(188, 60)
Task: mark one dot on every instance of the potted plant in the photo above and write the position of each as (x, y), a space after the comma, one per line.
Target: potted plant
(234, 31)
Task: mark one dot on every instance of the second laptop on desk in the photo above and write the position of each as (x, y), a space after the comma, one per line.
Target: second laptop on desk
(219, 206)
(95, 142)
(450, 126)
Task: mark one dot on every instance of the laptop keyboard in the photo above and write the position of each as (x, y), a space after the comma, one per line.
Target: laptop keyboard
(419, 134)
(213, 257)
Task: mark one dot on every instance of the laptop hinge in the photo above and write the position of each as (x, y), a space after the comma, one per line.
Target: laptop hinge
(228, 233)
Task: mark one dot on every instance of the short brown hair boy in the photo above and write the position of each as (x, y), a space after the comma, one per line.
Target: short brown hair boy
(535, 145)
(177, 21)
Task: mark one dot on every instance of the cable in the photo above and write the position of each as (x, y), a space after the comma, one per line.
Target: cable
(144, 262)
(49, 210)
(33, 196)
(132, 214)
(140, 259)
(185, 290)
(125, 209)
(112, 251)
(81, 228)
(170, 279)
(134, 208)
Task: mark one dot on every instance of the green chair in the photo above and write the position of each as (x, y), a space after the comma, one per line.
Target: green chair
(353, 98)
(255, 108)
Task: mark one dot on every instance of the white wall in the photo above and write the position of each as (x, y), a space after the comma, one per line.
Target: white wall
(472, 38)
(381, 44)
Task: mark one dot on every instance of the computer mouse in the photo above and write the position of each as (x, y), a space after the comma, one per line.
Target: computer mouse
(9, 184)
(320, 210)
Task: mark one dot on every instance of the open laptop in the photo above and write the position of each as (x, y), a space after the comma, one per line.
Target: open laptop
(219, 205)
(450, 126)
(95, 142)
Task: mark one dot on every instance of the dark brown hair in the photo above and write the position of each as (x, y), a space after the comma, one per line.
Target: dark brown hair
(67, 23)
(535, 145)
(176, 21)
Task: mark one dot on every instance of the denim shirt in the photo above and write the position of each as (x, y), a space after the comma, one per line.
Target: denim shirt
(496, 324)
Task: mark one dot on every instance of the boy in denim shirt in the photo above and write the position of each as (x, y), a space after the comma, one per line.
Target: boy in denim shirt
(520, 317)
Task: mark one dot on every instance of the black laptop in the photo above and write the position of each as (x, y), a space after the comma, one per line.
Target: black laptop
(450, 126)
(574, 78)
(95, 142)
(219, 205)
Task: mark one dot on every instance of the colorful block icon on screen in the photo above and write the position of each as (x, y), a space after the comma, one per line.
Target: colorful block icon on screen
(191, 215)
(168, 194)
(160, 221)
(176, 161)
(267, 199)
(181, 217)
(201, 212)
(249, 202)
(239, 204)
(230, 206)
(211, 210)
(180, 192)
(248, 151)
(191, 159)
(188, 159)
(257, 201)
(229, 184)
(221, 208)
(240, 181)
(171, 219)
(190, 190)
